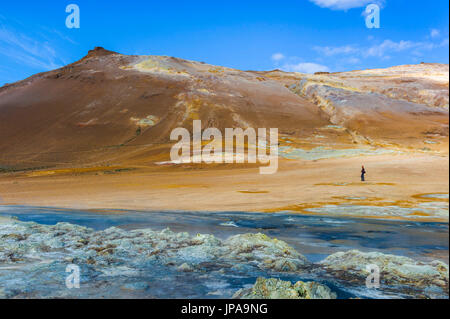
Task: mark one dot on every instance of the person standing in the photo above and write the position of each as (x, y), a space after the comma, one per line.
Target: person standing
(363, 173)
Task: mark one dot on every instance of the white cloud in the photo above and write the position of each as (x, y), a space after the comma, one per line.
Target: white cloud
(381, 50)
(330, 51)
(401, 46)
(305, 68)
(25, 50)
(293, 64)
(35, 49)
(58, 33)
(352, 60)
(278, 57)
(435, 33)
(344, 4)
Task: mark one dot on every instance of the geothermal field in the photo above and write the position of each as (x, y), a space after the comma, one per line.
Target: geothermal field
(86, 178)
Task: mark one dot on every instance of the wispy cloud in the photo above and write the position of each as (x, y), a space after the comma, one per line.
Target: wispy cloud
(278, 57)
(330, 51)
(435, 33)
(305, 67)
(388, 46)
(345, 4)
(28, 51)
(58, 33)
(381, 50)
(35, 49)
(294, 64)
(444, 43)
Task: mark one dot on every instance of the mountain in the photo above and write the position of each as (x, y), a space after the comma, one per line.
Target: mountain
(109, 108)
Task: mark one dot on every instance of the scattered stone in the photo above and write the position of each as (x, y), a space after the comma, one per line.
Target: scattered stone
(277, 289)
(185, 267)
(42, 253)
(393, 269)
(271, 253)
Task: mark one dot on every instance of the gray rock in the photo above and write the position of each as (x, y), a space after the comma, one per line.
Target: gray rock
(277, 289)
(185, 267)
(393, 269)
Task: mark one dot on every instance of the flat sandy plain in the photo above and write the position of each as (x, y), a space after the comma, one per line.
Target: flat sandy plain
(401, 181)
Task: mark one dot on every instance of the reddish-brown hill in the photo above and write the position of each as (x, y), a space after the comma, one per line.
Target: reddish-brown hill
(112, 108)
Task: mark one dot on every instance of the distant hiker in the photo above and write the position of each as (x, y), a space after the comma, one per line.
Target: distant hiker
(363, 172)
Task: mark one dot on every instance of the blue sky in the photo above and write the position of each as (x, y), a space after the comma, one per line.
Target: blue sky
(294, 35)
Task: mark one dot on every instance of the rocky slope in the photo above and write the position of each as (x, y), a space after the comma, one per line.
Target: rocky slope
(402, 106)
(110, 108)
(119, 107)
